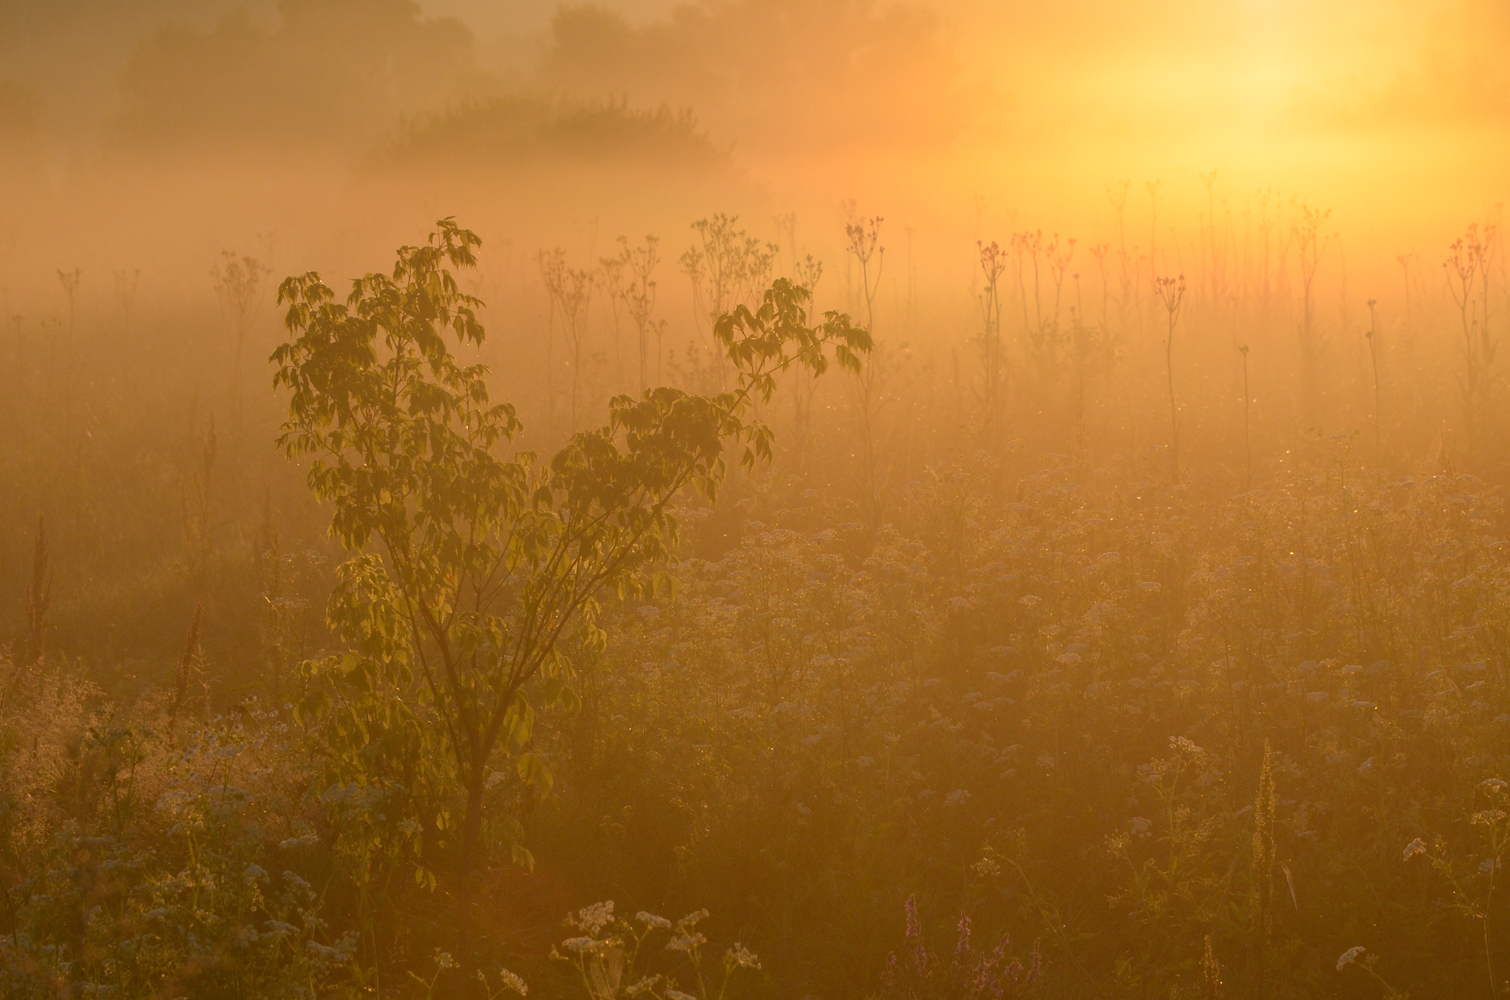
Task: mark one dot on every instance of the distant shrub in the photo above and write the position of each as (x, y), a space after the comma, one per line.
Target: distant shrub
(530, 129)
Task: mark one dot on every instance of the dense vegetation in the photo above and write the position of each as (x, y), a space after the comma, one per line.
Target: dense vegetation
(718, 613)
(959, 716)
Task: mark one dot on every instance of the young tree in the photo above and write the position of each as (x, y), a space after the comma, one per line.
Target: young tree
(472, 573)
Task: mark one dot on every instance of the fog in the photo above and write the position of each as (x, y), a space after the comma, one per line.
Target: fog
(1143, 594)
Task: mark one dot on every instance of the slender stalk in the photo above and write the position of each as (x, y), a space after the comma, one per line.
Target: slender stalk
(1373, 356)
(1172, 293)
(1247, 430)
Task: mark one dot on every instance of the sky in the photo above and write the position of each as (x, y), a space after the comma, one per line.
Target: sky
(991, 116)
(1393, 112)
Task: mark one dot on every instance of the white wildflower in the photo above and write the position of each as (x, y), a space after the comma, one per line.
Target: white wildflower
(594, 918)
(1349, 957)
(687, 941)
(686, 938)
(651, 920)
(740, 956)
(1417, 846)
(510, 981)
(326, 953)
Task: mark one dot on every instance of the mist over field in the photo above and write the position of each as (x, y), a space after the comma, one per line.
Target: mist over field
(723, 499)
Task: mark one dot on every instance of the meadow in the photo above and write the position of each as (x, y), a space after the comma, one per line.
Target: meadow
(973, 686)
(445, 593)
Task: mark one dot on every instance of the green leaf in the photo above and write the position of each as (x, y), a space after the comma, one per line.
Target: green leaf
(534, 772)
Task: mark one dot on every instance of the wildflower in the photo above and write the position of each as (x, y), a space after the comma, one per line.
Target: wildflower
(581, 944)
(1140, 826)
(741, 957)
(1493, 785)
(1487, 817)
(687, 939)
(594, 918)
(333, 955)
(915, 935)
(1029, 600)
(651, 920)
(1417, 846)
(510, 981)
(1485, 867)
(914, 927)
(1180, 744)
(647, 985)
(679, 995)
(1349, 957)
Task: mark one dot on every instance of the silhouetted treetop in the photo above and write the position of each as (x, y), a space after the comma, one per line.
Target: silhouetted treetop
(329, 72)
(818, 73)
